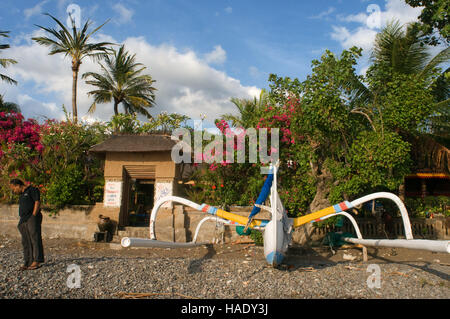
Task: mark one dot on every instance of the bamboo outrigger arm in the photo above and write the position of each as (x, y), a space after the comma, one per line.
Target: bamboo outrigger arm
(348, 205)
(218, 215)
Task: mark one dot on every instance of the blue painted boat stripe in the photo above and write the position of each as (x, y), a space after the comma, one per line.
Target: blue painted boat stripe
(337, 208)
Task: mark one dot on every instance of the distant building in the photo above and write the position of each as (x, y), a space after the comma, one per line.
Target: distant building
(431, 169)
(423, 183)
(138, 171)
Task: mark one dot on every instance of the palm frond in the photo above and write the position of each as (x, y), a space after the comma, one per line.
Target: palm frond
(440, 58)
(7, 79)
(121, 78)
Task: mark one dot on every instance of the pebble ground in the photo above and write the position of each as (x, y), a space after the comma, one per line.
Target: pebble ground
(228, 271)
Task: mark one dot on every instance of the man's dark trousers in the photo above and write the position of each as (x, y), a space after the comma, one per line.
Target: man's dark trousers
(32, 240)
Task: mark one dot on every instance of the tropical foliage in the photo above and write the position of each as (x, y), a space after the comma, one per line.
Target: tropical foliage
(163, 123)
(122, 83)
(6, 62)
(52, 156)
(75, 45)
(342, 135)
(8, 106)
(434, 18)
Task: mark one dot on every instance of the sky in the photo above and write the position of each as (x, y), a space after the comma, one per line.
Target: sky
(201, 53)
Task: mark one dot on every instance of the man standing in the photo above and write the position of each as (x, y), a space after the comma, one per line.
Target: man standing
(29, 224)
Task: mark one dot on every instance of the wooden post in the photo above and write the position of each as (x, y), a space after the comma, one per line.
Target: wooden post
(364, 251)
(424, 187)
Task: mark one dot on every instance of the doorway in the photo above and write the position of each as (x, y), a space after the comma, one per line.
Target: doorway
(137, 195)
(141, 200)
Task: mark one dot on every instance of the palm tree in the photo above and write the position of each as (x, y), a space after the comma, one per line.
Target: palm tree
(250, 111)
(8, 106)
(122, 82)
(402, 51)
(6, 62)
(76, 46)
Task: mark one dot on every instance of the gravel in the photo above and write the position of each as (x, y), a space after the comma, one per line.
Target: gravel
(215, 272)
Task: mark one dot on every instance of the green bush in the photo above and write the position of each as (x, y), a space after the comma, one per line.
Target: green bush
(419, 207)
(257, 237)
(66, 187)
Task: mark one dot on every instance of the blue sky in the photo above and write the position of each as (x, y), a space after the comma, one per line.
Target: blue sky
(200, 52)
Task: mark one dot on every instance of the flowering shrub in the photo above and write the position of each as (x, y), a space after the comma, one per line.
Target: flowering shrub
(20, 149)
(295, 185)
(224, 182)
(52, 156)
(15, 130)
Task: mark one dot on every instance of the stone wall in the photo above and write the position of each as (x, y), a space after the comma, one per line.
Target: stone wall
(179, 225)
(74, 222)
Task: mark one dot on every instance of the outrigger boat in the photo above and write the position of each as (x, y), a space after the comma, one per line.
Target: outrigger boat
(277, 231)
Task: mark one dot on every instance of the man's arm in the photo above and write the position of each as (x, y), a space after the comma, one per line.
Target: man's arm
(36, 196)
(37, 205)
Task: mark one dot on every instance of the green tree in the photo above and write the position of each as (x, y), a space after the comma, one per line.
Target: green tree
(164, 123)
(433, 18)
(124, 124)
(410, 92)
(400, 48)
(249, 110)
(75, 45)
(122, 82)
(340, 154)
(400, 63)
(6, 62)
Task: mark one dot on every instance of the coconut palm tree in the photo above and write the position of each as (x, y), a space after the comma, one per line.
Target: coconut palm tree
(122, 82)
(401, 50)
(250, 111)
(75, 45)
(6, 62)
(8, 106)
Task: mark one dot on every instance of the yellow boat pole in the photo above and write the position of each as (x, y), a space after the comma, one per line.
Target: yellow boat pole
(299, 221)
(235, 218)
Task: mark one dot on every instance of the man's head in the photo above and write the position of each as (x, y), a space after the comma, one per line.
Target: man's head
(16, 186)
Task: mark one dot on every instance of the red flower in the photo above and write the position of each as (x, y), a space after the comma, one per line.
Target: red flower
(214, 187)
(221, 185)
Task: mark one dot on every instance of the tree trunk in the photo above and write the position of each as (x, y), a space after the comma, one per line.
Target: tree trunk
(116, 107)
(75, 69)
(321, 201)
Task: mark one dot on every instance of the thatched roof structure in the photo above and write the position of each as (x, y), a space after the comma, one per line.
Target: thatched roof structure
(133, 144)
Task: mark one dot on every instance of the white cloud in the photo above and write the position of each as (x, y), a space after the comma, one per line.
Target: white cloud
(361, 37)
(125, 14)
(217, 56)
(229, 10)
(360, 18)
(370, 22)
(186, 84)
(37, 9)
(324, 14)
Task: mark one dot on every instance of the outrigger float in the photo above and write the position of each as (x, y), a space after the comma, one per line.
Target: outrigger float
(278, 230)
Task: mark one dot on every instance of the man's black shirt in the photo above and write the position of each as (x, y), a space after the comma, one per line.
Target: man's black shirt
(26, 203)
